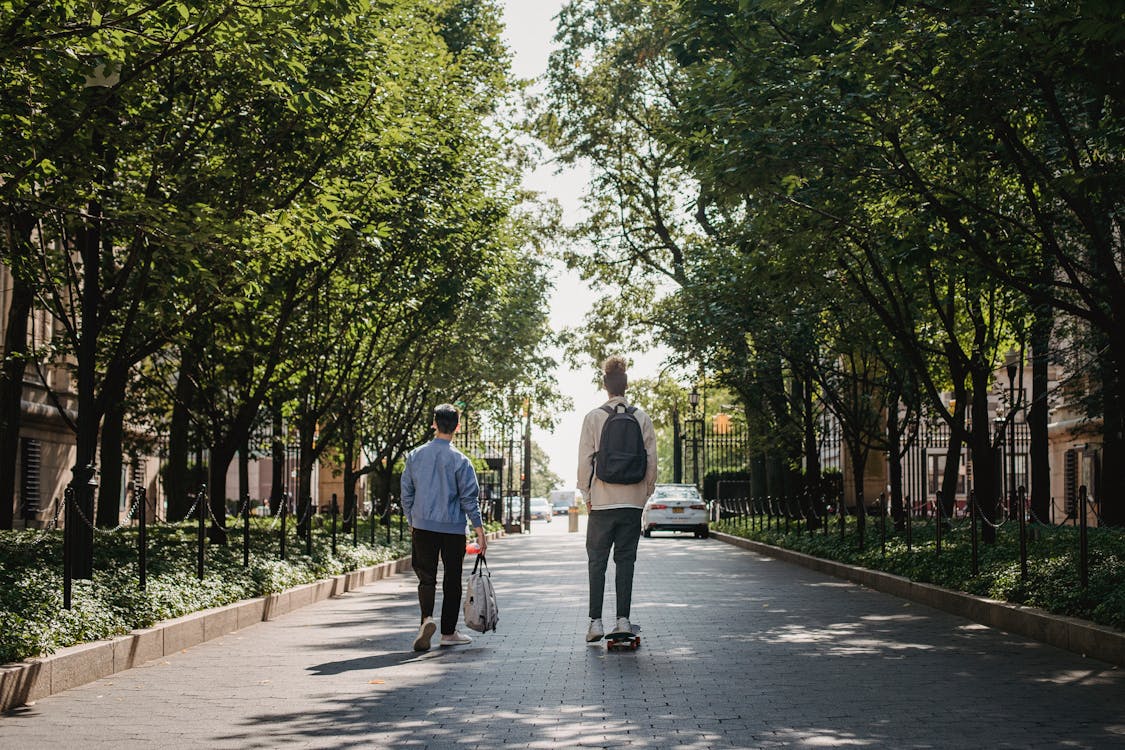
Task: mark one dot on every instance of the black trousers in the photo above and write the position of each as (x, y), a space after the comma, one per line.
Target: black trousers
(619, 530)
(428, 546)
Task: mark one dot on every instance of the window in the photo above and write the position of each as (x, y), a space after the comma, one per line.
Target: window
(31, 459)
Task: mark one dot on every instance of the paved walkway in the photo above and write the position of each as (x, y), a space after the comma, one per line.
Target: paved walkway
(738, 651)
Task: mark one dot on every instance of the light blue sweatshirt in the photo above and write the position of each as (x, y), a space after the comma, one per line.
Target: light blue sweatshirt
(439, 489)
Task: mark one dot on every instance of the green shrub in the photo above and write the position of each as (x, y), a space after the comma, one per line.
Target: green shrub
(33, 621)
(1053, 581)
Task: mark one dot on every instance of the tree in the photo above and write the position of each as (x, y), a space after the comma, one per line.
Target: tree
(543, 480)
(967, 117)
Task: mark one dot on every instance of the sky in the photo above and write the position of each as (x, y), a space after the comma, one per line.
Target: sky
(530, 28)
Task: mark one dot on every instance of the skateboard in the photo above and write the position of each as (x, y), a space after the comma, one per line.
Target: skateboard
(623, 641)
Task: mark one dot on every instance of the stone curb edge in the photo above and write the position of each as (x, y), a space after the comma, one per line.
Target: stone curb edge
(1069, 633)
(33, 679)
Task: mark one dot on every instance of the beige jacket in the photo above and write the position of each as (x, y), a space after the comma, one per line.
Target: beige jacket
(602, 495)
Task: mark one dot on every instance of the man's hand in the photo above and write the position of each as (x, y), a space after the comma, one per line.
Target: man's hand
(481, 540)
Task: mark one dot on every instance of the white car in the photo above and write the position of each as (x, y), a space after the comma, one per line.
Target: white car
(676, 507)
(541, 509)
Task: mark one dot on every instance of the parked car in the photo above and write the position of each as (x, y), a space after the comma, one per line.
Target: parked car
(540, 509)
(676, 507)
(563, 500)
(513, 509)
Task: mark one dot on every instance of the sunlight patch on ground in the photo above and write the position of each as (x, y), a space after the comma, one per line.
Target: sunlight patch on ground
(823, 738)
(892, 618)
(845, 639)
(1087, 677)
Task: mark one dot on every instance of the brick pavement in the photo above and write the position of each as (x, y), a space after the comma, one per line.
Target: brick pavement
(739, 651)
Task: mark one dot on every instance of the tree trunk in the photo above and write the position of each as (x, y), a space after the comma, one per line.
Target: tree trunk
(350, 516)
(952, 469)
(244, 473)
(894, 455)
(110, 456)
(859, 468)
(1037, 416)
(775, 481)
(15, 363)
(306, 458)
(81, 531)
(815, 498)
(1112, 480)
(984, 457)
(221, 457)
(177, 480)
(277, 464)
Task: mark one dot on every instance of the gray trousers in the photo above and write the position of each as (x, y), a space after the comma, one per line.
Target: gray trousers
(618, 529)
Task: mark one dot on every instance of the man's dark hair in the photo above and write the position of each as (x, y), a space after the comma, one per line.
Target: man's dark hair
(446, 418)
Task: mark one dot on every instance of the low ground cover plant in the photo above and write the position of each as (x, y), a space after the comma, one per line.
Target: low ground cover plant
(33, 621)
(1053, 580)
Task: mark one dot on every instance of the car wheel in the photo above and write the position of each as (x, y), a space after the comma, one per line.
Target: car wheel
(704, 533)
(647, 533)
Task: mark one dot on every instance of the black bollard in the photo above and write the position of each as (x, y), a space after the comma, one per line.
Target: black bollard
(333, 524)
(883, 524)
(201, 509)
(142, 537)
(909, 524)
(843, 517)
(246, 532)
(973, 530)
(308, 526)
(939, 513)
(284, 516)
(68, 519)
(1021, 495)
(1083, 541)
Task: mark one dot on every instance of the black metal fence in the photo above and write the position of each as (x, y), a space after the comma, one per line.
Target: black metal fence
(722, 450)
(743, 513)
(500, 455)
(923, 465)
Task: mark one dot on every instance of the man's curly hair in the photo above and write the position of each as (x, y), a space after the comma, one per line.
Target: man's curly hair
(614, 376)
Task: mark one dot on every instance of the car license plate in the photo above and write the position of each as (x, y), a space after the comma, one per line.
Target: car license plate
(677, 510)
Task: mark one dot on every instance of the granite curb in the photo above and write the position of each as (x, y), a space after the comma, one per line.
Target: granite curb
(32, 679)
(1069, 633)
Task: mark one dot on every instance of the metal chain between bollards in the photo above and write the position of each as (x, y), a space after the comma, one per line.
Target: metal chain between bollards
(115, 529)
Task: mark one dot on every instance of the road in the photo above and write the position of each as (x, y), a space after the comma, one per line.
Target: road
(738, 651)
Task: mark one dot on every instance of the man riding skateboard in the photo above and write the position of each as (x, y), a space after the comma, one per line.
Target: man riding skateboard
(617, 468)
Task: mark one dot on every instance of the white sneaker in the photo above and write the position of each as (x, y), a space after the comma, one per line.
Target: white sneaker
(623, 625)
(595, 631)
(456, 638)
(425, 633)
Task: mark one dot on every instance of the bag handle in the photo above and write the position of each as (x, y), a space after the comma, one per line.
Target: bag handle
(477, 564)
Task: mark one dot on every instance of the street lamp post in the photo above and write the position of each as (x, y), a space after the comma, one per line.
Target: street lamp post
(1012, 365)
(677, 448)
(1012, 362)
(693, 398)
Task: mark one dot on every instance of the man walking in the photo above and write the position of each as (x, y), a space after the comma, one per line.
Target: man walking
(439, 492)
(617, 470)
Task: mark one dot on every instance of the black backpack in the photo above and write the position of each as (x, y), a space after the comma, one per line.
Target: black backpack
(621, 456)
